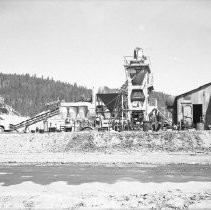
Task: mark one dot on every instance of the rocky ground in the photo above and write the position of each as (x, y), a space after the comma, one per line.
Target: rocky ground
(121, 195)
(106, 142)
(113, 149)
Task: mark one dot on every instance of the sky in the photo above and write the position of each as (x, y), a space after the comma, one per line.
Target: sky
(85, 41)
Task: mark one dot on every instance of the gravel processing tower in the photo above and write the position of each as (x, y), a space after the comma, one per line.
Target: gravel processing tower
(139, 85)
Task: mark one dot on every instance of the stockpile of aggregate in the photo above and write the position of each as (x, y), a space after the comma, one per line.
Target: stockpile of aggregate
(171, 200)
(93, 141)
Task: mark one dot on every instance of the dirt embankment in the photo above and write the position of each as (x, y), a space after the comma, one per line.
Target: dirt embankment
(183, 141)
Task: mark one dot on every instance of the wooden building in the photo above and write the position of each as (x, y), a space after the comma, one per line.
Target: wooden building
(194, 106)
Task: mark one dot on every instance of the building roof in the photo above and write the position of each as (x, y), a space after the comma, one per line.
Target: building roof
(194, 90)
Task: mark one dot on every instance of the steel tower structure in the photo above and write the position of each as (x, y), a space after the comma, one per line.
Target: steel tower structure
(139, 81)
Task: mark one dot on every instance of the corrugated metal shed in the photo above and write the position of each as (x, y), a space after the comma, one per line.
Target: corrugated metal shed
(194, 106)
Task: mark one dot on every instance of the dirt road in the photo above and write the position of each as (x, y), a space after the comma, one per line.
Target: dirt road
(75, 174)
(85, 186)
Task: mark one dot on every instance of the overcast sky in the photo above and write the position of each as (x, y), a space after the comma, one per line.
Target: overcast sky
(85, 41)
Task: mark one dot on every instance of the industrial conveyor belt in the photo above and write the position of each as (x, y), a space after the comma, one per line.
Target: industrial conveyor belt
(36, 119)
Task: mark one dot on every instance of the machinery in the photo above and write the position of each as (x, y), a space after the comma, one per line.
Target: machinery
(132, 108)
(40, 117)
(139, 85)
(8, 116)
(129, 108)
(60, 116)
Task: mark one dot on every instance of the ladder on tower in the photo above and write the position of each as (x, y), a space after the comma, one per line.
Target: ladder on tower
(35, 119)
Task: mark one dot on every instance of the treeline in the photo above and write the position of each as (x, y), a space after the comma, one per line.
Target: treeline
(29, 94)
(162, 99)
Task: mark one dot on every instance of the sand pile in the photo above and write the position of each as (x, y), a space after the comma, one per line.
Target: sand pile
(173, 141)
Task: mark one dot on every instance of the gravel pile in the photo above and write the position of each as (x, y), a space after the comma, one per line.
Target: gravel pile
(102, 197)
(173, 141)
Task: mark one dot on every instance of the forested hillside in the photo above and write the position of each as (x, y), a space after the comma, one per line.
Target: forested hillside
(29, 94)
(161, 101)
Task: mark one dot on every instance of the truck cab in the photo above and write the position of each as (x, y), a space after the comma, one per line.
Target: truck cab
(7, 120)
